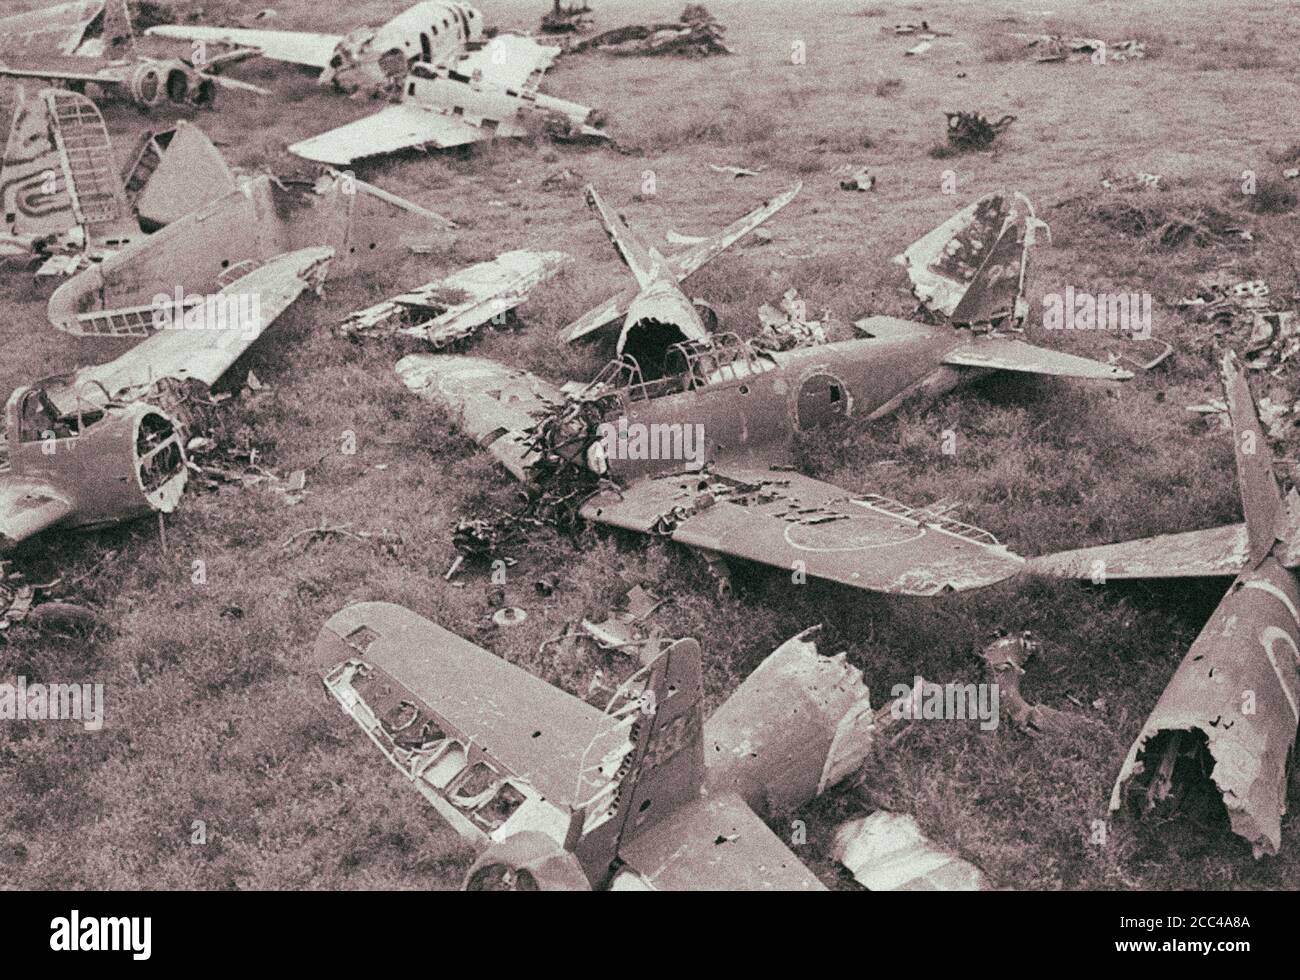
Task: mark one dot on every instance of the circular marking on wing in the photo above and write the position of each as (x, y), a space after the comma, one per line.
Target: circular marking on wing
(854, 534)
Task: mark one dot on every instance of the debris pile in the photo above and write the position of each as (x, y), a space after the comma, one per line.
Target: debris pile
(1005, 659)
(623, 632)
(22, 603)
(1227, 304)
(696, 35)
(1139, 181)
(1170, 227)
(1054, 47)
(787, 326)
(971, 131)
(854, 178)
(566, 20)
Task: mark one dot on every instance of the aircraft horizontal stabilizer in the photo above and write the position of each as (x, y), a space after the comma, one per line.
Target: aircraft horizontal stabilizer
(1208, 553)
(1009, 354)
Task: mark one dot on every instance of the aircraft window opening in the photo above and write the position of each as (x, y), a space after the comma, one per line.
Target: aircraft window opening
(410, 89)
(835, 393)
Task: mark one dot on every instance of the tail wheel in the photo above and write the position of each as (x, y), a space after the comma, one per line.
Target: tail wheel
(526, 862)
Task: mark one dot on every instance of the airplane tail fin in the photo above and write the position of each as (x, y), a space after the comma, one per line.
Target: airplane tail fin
(971, 269)
(644, 261)
(36, 198)
(1261, 498)
(118, 35)
(659, 763)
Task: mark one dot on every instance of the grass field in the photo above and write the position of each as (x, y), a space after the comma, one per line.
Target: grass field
(214, 710)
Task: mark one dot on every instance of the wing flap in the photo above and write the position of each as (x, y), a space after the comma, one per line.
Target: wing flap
(1207, 553)
(396, 127)
(28, 507)
(1008, 354)
(796, 523)
(295, 47)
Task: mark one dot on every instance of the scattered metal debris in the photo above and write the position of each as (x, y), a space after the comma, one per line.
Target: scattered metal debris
(22, 603)
(1274, 336)
(1005, 659)
(570, 19)
(1054, 47)
(696, 34)
(887, 852)
(1139, 181)
(620, 632)
(971, 131)
(451, 310)
(788, 327)
(736, 172)
(385, 541)
(509, 616)
(853, 178)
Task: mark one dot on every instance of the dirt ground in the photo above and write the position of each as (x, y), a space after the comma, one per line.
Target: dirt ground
(215, 715)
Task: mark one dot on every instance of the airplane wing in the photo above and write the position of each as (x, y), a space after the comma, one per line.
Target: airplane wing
(1191, 554)
(534, 731)
(494, 403)
(509, 60)
(66, 68)
(450, 309)
(684, 263)
(403, 126)
(295, 47)
(28, 507)
(716, 843)
(793, 522)
(1009, 354)
(205, 348)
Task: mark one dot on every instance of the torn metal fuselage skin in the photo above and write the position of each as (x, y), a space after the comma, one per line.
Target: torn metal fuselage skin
(569, 796)
(1230, 712)
(199, 254)
(377, 60)
(452, 309)
(95, 466)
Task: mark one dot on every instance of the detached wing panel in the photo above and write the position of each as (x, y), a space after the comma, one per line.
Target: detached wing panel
(396, 127)
(1192, 554)
(494, 404)
(28, 507)
(206, 351)
(1009, 354)
(716, 843)
(295, 47)
(790, 521)
(66, 68)
(509, 60)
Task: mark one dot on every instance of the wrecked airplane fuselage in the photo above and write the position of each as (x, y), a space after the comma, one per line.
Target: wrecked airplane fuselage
(199, 254)
(85, 465)
(638, 796)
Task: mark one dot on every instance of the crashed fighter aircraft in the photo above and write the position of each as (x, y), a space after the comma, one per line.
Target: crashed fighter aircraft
(377, 61)
(202, 252)
(1226, 724)
(441, 107)
(107, 444)
(91, 42)
(557, 794)
(696, 446)
(62, 193)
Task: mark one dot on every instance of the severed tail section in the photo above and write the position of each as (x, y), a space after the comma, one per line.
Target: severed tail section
(119, 37)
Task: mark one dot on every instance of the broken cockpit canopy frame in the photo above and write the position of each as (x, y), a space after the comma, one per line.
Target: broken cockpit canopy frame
(638, 796)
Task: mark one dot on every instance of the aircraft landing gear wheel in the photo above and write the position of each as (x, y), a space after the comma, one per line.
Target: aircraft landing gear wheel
(526, 862)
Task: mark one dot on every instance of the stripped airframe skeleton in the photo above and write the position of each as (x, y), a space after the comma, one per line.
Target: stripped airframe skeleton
(107, 444)
(1226, 724)
(61, 192)
(558, 794)
(735, 495)
(91, 42)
